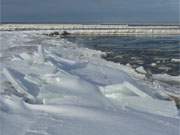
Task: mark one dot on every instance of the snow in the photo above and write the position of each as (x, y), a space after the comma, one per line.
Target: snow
(128, 95)
(50, 86)
(175, 60)
(167, 78)
(153, 64)
(125, 88)
(141, 70)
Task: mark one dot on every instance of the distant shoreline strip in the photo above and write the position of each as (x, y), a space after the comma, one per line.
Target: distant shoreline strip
(99, 29)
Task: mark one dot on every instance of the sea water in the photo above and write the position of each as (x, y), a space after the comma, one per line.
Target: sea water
(156, 54)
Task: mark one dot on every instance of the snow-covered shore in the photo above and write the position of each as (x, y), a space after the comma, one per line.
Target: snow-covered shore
(98, 29)
(50, 86)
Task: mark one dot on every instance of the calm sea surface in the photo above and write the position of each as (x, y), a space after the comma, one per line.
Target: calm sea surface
(153, 53)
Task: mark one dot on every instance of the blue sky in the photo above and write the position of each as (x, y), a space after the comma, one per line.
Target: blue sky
(90, 11)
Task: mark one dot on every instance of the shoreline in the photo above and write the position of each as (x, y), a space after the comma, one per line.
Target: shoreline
(102, 29)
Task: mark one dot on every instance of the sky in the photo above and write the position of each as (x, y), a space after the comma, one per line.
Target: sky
(90, 11)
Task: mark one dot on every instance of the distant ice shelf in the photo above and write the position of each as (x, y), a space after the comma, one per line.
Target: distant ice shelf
(99, 29)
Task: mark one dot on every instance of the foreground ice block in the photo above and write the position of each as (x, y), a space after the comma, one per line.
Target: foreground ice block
(127, 95)
(21, 89)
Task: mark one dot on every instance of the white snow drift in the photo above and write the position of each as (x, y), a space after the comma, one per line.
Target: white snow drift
(50, 86)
